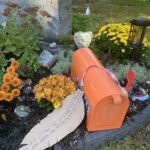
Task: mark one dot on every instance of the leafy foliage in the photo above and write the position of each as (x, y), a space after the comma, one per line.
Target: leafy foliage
(63, 62)
(3, 65)
(19, 41)
(81, 23)
(111, 40)
(141, 73)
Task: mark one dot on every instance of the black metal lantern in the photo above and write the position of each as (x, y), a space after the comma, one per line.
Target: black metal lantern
(137, 32)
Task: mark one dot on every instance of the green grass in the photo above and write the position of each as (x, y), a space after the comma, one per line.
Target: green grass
(113, 11)
(140, 141)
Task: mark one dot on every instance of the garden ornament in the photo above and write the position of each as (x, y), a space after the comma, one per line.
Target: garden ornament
(88, 11)
(47, 59)
(22, 111)
(106, 102)
(56, 125)
(140, 97)
(137, 32)
(130, 78)
(140, 94)
(83, 39)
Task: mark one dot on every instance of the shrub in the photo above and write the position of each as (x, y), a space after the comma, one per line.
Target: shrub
(54, 89)
(81, 23)
(20, 42)
(63, 62)
(10, 83)
(141, 73)
(111, 41)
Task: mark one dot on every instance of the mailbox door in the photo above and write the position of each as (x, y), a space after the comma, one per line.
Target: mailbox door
(107, 114)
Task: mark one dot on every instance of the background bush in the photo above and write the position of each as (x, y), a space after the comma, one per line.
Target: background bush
(111, 41)
(142, 74)
(19, 41)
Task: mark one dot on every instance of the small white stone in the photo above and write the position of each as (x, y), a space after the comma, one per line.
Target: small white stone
(22, 111)
(148, 82)
(47, 59)
(88, 11)
(83, 39)
(53, 45)
(4, 24)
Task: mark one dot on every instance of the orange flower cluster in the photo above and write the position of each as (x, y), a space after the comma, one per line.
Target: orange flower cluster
(54, 88)
(10, 81)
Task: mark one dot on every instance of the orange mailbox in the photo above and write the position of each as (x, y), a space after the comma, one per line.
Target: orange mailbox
(107, 103)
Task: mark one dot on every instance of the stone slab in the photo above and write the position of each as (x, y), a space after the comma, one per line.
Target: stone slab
(60, 10)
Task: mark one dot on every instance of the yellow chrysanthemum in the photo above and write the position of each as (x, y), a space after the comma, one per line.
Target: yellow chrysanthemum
(57, 104)
(123, 50)
(39, 96)
(54, 88)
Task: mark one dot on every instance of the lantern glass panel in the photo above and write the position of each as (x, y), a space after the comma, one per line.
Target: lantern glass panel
(135, 35)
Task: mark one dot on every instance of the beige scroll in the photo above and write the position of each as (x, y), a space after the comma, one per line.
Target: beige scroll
(57, 124)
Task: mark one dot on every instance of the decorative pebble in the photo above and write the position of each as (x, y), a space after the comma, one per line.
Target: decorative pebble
(28, 82)
(83, 39)
(47, 59)
(148, 82)
(3, 116)
(27, 90)
(53, 45)
(22, 111)
(22, 98)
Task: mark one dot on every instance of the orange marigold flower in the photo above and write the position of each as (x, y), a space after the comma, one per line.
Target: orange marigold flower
(15, 82)
(5, 87)
(15, 92)
(9, 97)
(2, 95)
(15, 64)
(7, 79)
(7, 75)
(11, 70)
(16, 75)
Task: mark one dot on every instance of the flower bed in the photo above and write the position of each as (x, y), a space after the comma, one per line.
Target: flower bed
(44, 92)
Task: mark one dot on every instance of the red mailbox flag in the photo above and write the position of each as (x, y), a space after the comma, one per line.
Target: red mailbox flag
(130, 78)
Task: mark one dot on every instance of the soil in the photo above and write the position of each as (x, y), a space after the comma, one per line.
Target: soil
(15, 128)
